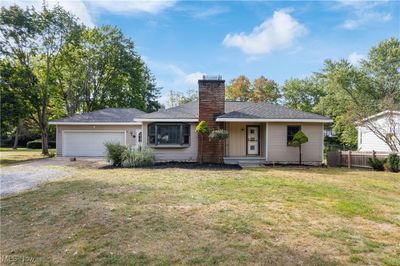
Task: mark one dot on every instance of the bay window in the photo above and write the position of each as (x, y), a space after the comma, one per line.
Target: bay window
(169, 134)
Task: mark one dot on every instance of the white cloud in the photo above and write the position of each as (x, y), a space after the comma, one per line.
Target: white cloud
(193, 78)
(210, 12)
(171, 77)
(363, 12)
(127, 7)
(355, 58)
(277, 32)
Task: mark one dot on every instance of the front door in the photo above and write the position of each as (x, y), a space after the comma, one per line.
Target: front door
(253, 133)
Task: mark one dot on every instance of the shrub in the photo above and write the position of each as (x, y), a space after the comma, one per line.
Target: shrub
(219, 134)
(52, 154)
(376, 164)
(37, 144)
(393, 162)
(202, 128)
(114, 153)
(137, 157)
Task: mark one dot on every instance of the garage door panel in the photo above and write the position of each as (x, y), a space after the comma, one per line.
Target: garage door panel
(89, 143)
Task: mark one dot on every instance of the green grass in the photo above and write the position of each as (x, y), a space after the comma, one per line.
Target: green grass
(272, 216)
(9, 156)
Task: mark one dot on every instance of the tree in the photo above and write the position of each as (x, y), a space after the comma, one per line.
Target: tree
(151, 93)
(264, 90)
(298, 139)
(13, 110)
(303, 94)
(178, 98)
(31, 42)
(239, 89)
(202, 129)
(356, 93)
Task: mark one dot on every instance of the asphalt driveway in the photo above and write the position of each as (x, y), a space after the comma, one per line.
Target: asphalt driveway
(27, 175)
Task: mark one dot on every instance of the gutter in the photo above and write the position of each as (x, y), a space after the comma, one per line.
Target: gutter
(96, 123)
(274, 120)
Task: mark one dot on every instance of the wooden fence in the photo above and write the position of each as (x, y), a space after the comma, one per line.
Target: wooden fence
(353, 158)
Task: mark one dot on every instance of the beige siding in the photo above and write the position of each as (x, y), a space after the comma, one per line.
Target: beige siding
(236, 144)
(130, 130)
(278, 151)
(176, 154)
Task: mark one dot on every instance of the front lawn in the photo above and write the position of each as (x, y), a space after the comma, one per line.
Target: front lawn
(9, 156)
(282, 216)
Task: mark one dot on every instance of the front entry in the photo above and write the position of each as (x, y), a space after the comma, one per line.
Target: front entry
(253, 134)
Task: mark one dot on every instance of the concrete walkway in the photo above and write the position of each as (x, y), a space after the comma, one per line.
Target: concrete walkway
(26, 175)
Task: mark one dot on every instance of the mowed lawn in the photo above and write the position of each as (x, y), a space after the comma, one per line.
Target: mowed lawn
(8, 156)
(264, 216)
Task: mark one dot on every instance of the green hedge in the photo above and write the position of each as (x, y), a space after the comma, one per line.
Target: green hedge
(37, 144)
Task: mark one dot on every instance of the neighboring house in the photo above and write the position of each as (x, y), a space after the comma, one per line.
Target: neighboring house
(259, 132)
(387, 122)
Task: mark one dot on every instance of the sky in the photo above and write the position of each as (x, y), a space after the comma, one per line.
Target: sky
(182, 40)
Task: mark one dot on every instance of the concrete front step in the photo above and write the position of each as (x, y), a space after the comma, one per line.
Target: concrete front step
(250, 165)
(244, 160)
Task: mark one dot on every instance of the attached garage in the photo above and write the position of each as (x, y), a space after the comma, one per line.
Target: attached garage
(86, 134)
(89, 143)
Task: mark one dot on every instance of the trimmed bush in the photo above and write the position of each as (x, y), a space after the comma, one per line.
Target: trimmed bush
(114, 153)
(138, 157)
(219, 134)
(37, 144)
(376, 164)
(393, 162)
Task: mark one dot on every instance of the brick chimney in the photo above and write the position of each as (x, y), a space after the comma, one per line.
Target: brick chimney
(211, 104)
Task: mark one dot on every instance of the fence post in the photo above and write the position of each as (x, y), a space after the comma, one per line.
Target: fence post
(340, 158)
(349, 159)
(373, 154)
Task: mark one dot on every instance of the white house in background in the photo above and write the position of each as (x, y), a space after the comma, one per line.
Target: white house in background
(388, 122)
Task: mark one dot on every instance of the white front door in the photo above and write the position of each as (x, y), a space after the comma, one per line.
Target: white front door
(252, 140)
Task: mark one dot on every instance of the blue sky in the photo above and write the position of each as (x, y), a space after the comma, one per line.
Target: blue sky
(182, 40)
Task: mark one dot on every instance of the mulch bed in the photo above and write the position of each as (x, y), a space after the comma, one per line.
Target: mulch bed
(186, 165)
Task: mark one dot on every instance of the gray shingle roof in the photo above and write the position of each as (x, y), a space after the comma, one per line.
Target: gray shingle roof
(105, 115)
(246, 110)
(186, 111)
(270, 111)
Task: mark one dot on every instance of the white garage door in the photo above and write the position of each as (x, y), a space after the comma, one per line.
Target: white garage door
(89, 143)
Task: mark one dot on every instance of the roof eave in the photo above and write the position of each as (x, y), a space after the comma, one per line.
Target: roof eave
(167, 119)
(326, 120)
(94, 123)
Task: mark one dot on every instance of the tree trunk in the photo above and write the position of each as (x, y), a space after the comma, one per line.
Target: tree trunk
(201, 148)
(16, 137)
(45, 139)
(300, 155)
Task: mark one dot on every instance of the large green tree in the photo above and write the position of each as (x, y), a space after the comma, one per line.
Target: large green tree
(54, 66)
(265, 90)
(353, 93)
(303, 94)
(31, 42)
